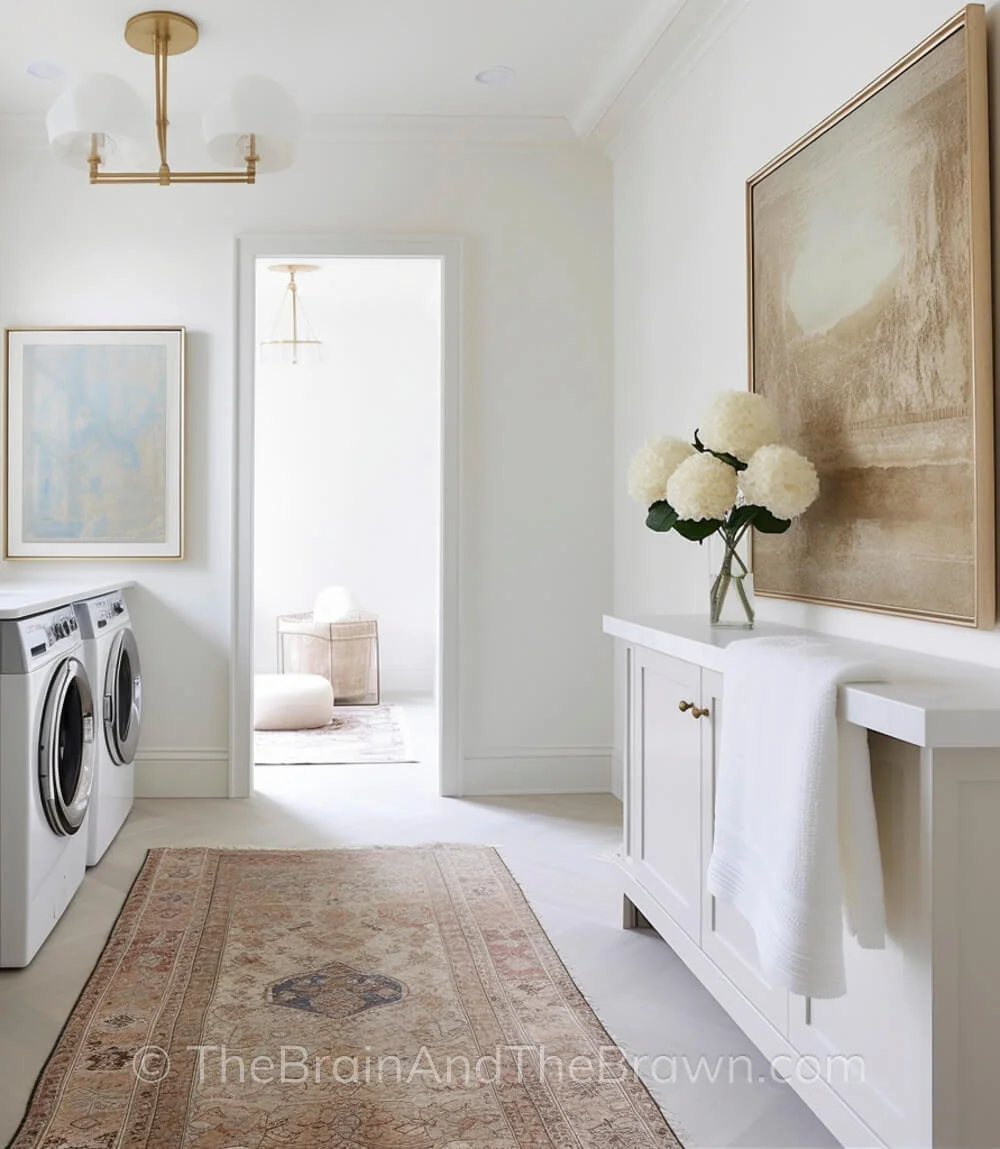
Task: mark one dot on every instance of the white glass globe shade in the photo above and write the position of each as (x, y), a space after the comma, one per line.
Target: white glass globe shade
(259, 107)
(100, 105)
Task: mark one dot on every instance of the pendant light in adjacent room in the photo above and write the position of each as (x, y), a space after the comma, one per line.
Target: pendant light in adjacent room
(293, 339)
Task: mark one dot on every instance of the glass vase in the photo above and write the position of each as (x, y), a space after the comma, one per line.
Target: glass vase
(731, 596)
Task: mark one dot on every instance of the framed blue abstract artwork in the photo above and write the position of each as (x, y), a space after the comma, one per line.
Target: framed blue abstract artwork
(94, 443)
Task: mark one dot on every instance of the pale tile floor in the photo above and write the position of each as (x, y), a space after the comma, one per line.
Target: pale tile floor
(559, 848)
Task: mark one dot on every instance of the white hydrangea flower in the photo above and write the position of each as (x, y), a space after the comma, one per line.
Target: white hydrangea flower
(651, 467)
(702, 487)
(739, 423)
(781, 480)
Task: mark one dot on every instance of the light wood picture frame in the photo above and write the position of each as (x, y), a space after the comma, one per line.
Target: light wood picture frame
(93, 435)
(870, 329)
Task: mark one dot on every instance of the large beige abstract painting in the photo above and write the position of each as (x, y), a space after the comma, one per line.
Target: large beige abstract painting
(870, 330)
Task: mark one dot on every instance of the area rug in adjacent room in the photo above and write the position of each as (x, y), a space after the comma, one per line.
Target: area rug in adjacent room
(356, 734)
(385, 998)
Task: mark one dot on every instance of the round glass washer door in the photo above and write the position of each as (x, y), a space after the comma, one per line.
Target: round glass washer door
(66, 748)
(123, 698)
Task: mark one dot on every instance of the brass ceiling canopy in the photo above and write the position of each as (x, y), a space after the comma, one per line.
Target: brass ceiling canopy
(179, 33)
(252, 129)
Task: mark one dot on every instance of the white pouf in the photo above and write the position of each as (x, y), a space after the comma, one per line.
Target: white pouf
(291, 701)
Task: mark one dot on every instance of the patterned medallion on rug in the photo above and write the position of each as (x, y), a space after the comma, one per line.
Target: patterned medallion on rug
(357, 734)
(391, 998)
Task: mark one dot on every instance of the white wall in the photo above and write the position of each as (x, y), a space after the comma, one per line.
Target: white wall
(347, 457)
(536, 408)
(680, 264)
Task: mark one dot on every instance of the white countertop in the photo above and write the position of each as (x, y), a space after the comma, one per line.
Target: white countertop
(25, 599)
(925, 700)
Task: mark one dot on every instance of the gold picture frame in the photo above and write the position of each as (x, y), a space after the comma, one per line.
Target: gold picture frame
(869, 320)
(93, 435)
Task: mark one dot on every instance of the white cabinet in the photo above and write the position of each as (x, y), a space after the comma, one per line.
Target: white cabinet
(665, 852)
(874, 1038)
(905, 1058)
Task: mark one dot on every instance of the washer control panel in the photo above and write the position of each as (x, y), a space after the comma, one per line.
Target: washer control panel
(99, 615)
(43, 634)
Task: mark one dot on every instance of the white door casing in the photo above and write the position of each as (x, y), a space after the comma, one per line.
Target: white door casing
(249, 249)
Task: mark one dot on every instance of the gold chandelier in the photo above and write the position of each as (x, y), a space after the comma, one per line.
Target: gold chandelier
(253, 128)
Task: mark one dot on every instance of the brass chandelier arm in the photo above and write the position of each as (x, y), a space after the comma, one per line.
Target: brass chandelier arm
(175, 178)
(167, 178)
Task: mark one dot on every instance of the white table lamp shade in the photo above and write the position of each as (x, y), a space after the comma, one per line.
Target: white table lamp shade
(99, 105)
(259, 107)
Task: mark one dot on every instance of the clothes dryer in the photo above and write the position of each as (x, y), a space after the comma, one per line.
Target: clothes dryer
(111, 656)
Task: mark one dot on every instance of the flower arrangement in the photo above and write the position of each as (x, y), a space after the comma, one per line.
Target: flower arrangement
(734, 476)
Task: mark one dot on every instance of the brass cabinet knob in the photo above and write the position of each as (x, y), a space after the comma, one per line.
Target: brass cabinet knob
(682, 706)
(699, 712)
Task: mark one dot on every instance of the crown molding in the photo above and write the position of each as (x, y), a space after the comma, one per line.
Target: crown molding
(665, 41)
(392, 129)
(663, 44)
(623, 65)
(27, 133)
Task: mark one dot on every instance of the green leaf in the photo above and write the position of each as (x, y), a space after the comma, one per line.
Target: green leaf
(740, 516)
(736, 464)
(769, 524)
(697, 530)
(662, 516)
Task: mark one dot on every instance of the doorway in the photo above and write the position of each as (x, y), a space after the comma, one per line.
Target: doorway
(346, 583)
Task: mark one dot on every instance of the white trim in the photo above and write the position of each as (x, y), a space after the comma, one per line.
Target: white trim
(618, 776)
(538, 770)
(172, 773)
(539, 752)
(681, 37)
(621, 66)
(299, 247)
(27, 132)
(395, 129)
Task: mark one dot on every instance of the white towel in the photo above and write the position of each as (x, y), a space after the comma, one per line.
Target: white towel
(796, 842)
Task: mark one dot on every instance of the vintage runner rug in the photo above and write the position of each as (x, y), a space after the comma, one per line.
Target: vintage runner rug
(391, 998)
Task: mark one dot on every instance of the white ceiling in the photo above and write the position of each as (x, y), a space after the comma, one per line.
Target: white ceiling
(352, 57)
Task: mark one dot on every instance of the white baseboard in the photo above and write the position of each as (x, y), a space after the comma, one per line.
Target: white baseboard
(204, 773)
(400, 680)
(618, 777)
(538, 770)
(172, 773)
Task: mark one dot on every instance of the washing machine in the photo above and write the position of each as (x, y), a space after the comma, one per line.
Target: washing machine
(47, 736)
(111, 657)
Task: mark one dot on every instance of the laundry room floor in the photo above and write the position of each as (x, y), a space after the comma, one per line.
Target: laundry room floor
(560, 849)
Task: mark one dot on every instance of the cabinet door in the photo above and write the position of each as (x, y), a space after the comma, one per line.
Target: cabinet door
(726, 935)
(872, 1044)
(665, 797)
